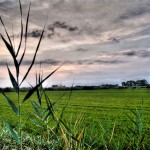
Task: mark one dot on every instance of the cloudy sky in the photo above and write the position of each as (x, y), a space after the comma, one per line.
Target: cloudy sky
(100, 41)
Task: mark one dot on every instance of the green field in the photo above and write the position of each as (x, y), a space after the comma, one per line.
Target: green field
(98, 104)
(93, 110)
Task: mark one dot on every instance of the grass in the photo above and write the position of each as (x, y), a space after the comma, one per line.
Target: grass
(98, 103)
(102, 119)
(94, 111)
(17, 81)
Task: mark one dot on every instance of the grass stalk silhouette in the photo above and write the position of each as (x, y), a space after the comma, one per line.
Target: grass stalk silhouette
(14, 78)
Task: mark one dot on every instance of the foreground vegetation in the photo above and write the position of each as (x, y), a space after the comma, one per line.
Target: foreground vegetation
(36, 119)
(100, 119)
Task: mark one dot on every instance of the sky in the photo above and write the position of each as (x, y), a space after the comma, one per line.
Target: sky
(99, 41)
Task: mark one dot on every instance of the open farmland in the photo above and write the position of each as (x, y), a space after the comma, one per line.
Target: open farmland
(94, 106)
(117, 118)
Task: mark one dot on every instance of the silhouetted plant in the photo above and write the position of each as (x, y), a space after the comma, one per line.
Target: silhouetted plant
(15, 78)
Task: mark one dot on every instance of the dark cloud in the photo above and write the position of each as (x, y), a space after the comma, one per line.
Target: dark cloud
(144, 53)
(50, 31)
(28, 62)
(35, 33)
(130, 53)
(63, 25)
(108, 61)
(69, 62)
(135, 12)
(6, 5)
(77, 62)
(81, 50)
(139, 53)
(45, 62)
(91, 62)
(2, 63)
(52, 62)
(115, 40)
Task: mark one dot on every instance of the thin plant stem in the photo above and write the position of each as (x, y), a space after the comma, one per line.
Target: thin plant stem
(20, 121)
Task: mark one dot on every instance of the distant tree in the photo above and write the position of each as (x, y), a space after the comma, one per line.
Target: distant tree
(123, 84)
(142, 82)
(55, 86)
(131, 83)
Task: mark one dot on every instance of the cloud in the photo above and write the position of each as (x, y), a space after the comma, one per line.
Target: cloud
(28, 62)
(81, 62)
(68, 62)
(130, 53)
(1, 78)
(44, 62)
(3, 63)
(73, 20)
(6, 5)
(138, 53)
(51, 30)
(108, 61)
(136, 12)
(35, 33)
(82, 50)
(102, 33)
(63, 25)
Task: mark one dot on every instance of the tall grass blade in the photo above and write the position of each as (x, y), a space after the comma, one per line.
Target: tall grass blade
(12, 132)
(11, 50)
(13, 81)
(9, 47)
(6, 33)
(59, 99)
(131, 119)
(142, 139)
(68, 131)
(34, 121)
(39, 96)
(49, 105)
(112, 134)
(47, 109)
(27, 22)
(13, 36)
(33, 60)
(21, 35)
(80, 135)
(37, 105)
(29, 94)
(26, 32)
(132, 111)
(46, 117)
(62, 112)
(132, 131)
(36, 109)
(60, 120)
(38, 91)
(12, 105)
